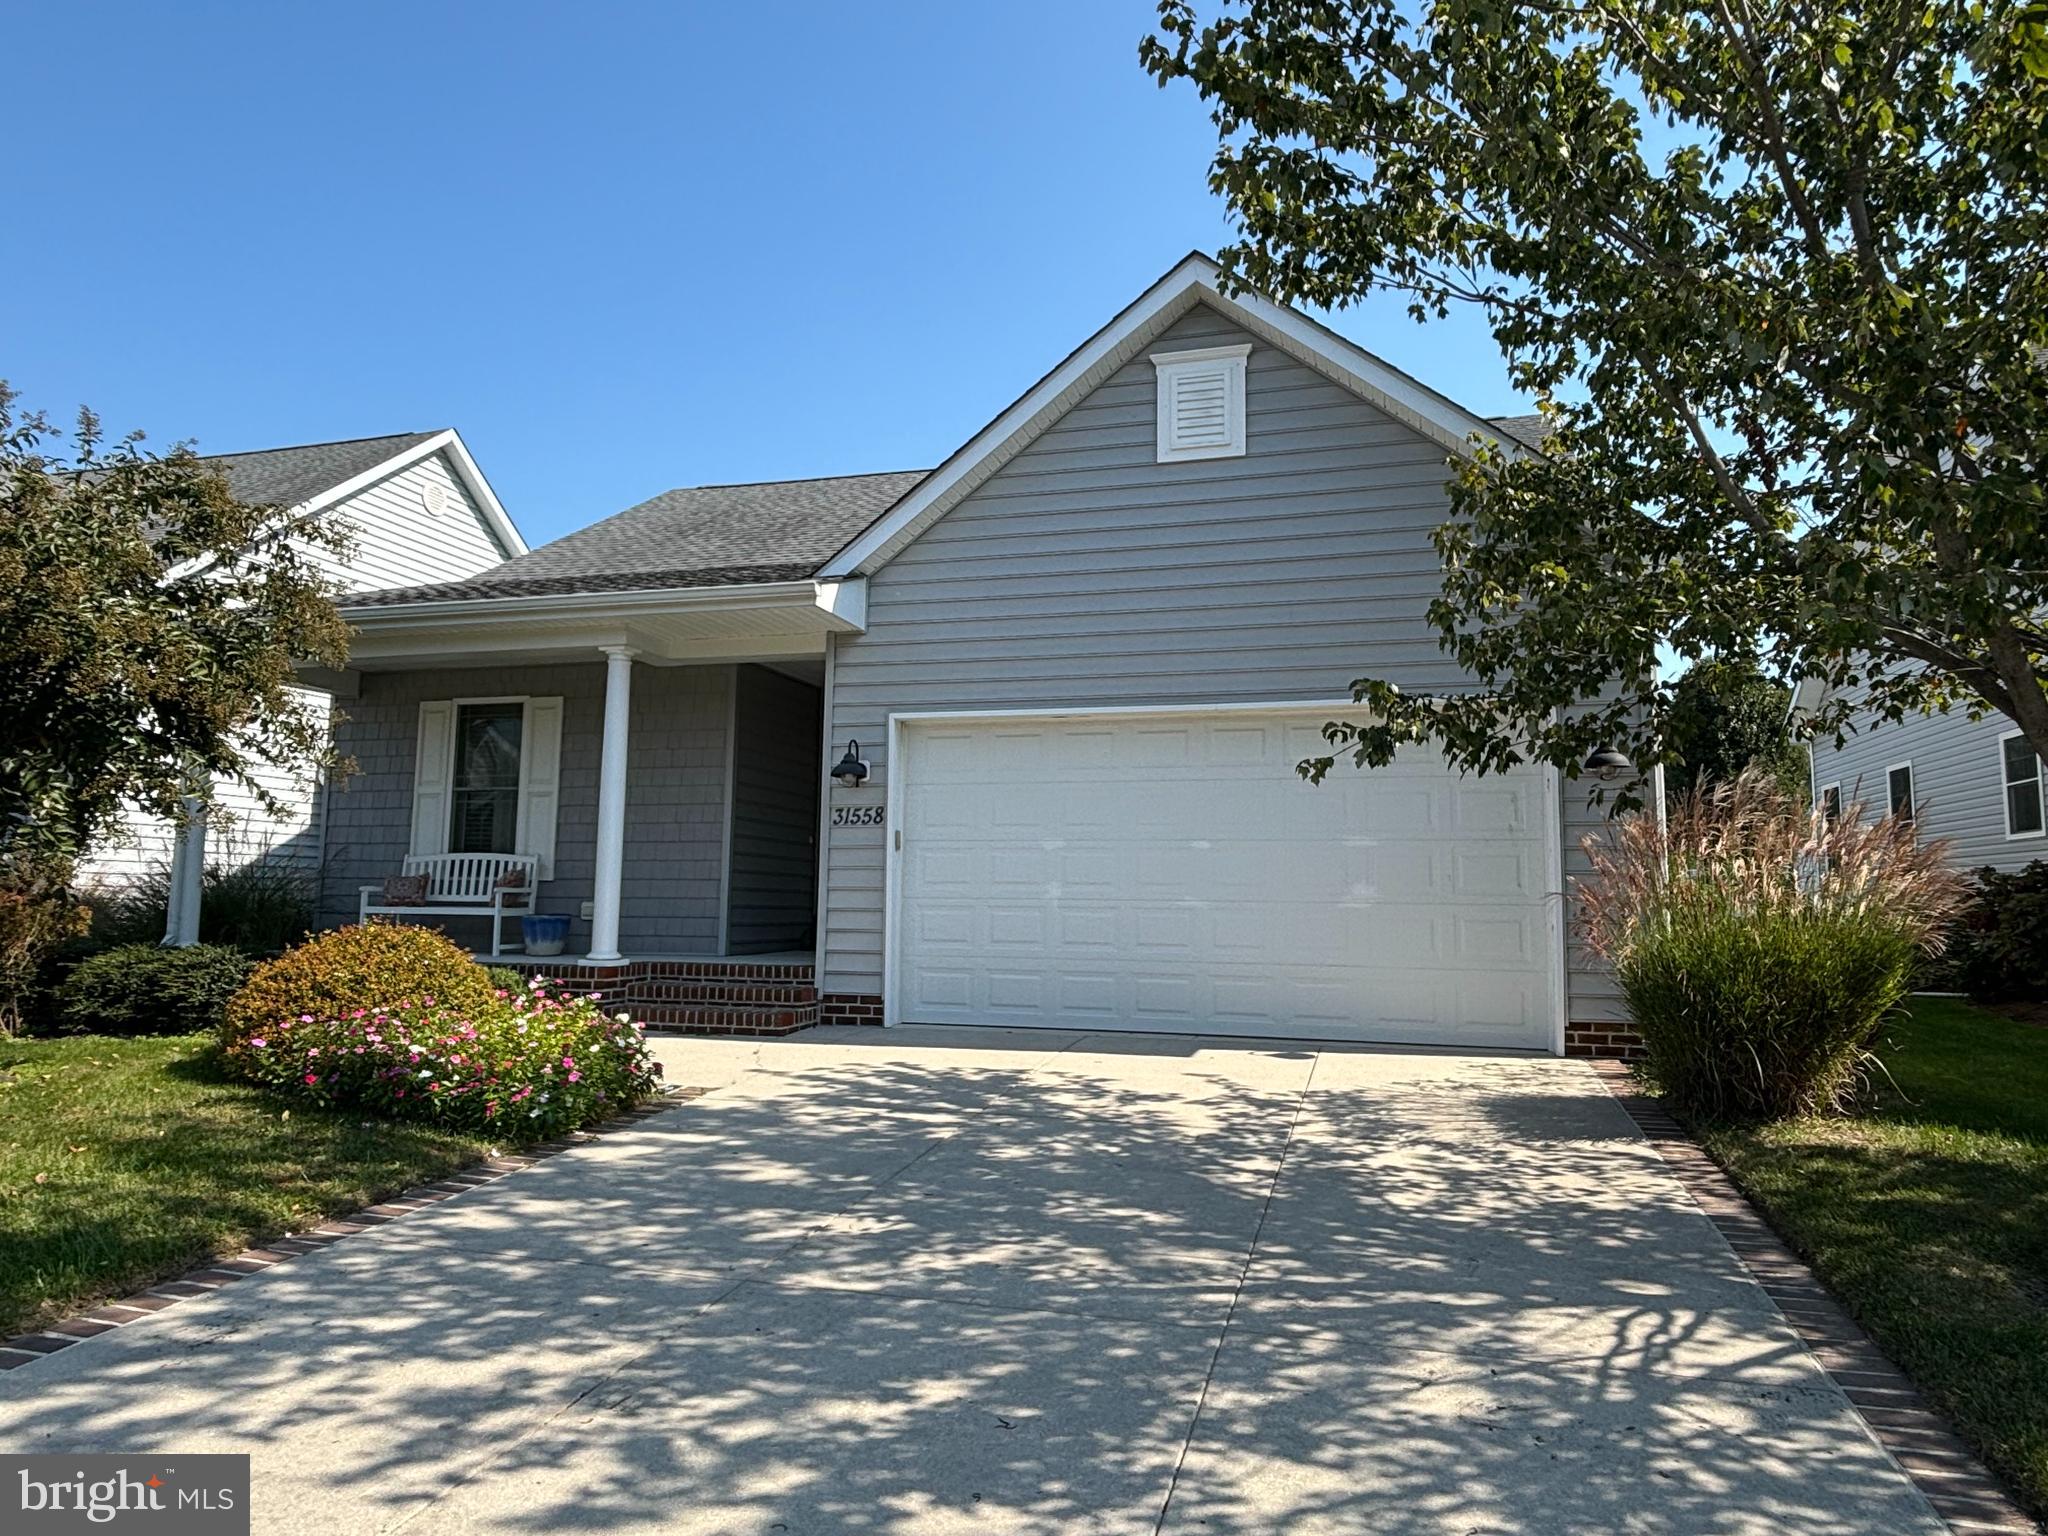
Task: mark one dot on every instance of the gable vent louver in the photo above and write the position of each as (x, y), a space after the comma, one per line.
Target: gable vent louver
(1201, 403)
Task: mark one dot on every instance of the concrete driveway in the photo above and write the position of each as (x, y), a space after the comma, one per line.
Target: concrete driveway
(935, 1281)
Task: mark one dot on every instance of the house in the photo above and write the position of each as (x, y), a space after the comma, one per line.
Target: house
(1007, 741)
(417, 507)
(1978, 783)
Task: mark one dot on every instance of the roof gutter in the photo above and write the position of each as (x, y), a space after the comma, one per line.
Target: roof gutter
(841, 601)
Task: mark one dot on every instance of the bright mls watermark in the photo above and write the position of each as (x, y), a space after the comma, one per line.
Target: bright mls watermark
(57, 1495)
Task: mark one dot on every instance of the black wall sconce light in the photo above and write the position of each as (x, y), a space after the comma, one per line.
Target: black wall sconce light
(850, 770)
(1608, 763)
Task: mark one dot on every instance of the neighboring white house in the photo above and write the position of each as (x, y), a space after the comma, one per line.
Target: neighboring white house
(1978, 783)
(1009, 741)
(417, 508)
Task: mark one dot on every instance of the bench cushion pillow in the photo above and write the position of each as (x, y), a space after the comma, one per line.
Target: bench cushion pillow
(405, 890)
(515, 881)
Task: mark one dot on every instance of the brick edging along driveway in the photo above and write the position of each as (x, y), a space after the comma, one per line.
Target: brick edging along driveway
(1958, 1485)
(27, 1348)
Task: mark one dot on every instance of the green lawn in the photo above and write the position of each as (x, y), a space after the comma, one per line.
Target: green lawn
(1928, 1215)
(124, 1161)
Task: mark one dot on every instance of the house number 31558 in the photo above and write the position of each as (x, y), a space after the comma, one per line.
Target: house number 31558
(858, 815)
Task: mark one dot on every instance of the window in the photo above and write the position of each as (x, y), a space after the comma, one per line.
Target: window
(487, 777)
(2023, 797)
(485, 798)
(1201, 403)
(1899, 786)
(1831, 803)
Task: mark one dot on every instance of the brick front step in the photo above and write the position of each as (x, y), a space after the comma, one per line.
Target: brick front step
(733, 1019)
(781, 994)
(733, 969)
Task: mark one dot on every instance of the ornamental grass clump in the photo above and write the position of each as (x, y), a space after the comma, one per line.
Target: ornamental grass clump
(525, 1065)
(1759, 945)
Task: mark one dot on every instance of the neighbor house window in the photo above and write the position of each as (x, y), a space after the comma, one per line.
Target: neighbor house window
(1899, 784)
(485, 814)
(1831, 803)
(2023, 798)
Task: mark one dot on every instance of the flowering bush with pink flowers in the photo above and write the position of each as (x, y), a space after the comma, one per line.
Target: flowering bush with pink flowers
(527, 1064)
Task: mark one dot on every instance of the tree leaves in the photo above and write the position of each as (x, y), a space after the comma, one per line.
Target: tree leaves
(149, 626)
(1775, 274)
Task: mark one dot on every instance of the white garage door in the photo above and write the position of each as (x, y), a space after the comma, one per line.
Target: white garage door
(1172, 872)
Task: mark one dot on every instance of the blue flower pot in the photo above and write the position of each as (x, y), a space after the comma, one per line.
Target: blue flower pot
(544, 934)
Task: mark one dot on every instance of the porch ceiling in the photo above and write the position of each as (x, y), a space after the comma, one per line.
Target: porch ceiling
(761, 622)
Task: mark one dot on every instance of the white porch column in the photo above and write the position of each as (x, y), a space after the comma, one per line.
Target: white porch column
(188, 866)
(611, 804)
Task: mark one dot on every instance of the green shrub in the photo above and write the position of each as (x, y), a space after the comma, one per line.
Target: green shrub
(375, 966)
(529, 1064)
(506, 979)
(145, 989)
(259, 905)
(1999, 951)
(1759, 945)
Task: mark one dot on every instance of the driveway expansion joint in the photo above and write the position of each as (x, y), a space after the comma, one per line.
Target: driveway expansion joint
(1963, 1491)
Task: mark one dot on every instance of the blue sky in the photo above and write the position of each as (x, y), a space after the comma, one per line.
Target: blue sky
(620, 247)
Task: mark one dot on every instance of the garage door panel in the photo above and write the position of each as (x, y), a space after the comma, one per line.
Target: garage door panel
(1180, 876)
(1164, 995)
(1488, 872)
(943, 990)
(1085, 927)
(941, 926)
(1018, 866)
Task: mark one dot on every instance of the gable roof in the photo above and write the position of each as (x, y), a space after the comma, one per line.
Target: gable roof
(285, 477)
(850, 525)
(706, 535)
(1196, 279)
(315, 476)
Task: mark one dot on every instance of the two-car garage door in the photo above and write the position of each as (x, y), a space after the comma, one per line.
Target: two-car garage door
(1172, 872)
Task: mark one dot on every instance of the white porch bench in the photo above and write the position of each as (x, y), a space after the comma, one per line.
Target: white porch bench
(465, 885)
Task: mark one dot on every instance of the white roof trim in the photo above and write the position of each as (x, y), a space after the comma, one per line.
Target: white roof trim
(1195, 280)
(466, 470)
(1808, 694)
(840, 606)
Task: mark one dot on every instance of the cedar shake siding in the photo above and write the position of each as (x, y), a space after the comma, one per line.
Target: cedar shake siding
(675, 807)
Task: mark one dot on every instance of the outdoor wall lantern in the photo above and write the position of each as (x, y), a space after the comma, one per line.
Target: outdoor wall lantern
(850, 770)
(1608, 763)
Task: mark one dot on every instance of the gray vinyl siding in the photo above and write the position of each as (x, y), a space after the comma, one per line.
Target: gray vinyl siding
(1085, 573)
(675, 796)
(1958, 782)
(777, 770)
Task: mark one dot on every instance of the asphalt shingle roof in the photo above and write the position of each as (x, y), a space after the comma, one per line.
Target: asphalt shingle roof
(284, 477)
(702, 536)
(1529, 431)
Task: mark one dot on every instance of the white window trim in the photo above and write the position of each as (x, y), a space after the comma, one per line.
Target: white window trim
(2005, 796)
(1821, 799)
(1169, 365)
(896, 806)
(1912, 789)
(539, 801)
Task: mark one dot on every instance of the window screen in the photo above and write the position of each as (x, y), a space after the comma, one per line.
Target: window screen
(485, 818)
(2022, 787)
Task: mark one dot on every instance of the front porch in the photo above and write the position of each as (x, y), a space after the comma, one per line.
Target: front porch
(659, 753)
